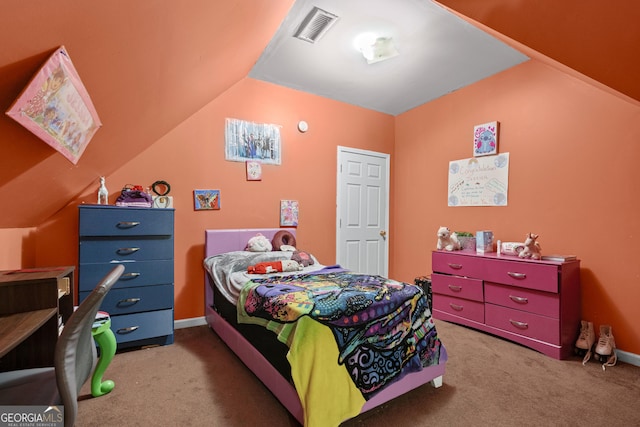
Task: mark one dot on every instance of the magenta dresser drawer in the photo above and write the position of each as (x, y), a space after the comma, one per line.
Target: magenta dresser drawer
(537, 302)
(524, 274)
(471, 310)
(455, 286)
(523, 323)
(461, 265)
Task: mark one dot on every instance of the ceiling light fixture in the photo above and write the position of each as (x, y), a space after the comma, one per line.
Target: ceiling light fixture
(374, 48)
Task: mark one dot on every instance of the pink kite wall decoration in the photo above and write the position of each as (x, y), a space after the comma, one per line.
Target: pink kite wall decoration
(56, 107)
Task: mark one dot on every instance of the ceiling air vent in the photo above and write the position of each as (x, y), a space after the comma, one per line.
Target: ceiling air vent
(315, 25)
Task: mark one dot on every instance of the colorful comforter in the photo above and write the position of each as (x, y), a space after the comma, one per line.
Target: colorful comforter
(382, 328)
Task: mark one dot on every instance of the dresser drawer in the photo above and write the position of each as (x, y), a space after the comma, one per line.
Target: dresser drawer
(520, 322)
(460, 265)
(139, 249)
(523, 274)
(140, 326)
(471, 310)
(115, 221)
(460, 287)
(544, 303)
(138, 273)
(133, 300)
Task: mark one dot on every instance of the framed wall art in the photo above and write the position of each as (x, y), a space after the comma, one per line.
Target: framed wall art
(206, 200)
(480, 181)
(56, 107)
(252, 141)
(485, 139)
(288, 213)
(254, 170)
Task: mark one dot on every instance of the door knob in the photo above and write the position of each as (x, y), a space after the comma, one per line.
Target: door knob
(383, 233)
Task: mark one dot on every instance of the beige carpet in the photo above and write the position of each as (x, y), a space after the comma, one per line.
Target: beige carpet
(197, 381)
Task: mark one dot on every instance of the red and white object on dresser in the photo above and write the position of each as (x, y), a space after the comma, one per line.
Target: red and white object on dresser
(534, 303)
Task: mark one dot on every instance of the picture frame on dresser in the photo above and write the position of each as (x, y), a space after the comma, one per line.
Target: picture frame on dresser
(141, 303)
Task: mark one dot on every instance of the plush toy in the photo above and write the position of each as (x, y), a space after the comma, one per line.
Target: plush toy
(447, 240)
(258, 243)
(274, 267)
(303, 258)
(532, 248)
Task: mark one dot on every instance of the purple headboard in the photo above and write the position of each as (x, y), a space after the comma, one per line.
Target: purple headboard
(221, 241)
(229, 240)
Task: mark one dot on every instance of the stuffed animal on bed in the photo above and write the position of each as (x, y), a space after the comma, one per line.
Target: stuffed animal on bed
(258, 243)
(302, 257)
(447, 240)
(274, 267)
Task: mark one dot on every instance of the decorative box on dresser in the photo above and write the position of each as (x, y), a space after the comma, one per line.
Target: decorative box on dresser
(141, 302)
(534, 303)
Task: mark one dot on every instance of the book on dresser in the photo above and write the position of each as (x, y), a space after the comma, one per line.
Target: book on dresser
(559, 258)
(141, 302)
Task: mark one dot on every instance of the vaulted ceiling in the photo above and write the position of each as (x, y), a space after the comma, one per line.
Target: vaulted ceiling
(149, 66)
(424, 52)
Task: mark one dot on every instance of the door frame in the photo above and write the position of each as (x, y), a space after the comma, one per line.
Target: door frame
(386, 157)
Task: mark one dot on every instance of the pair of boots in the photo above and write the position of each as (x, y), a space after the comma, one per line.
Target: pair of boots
(605, 349)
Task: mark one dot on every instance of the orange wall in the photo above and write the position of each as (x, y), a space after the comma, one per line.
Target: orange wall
(572, 179)
(191, 156)
(17, 248)
(573, 152)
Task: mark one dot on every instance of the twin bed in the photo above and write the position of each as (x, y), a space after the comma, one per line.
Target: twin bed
(328, 343)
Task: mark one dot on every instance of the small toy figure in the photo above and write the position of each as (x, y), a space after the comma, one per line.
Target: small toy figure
(103, 193)
(532, 248)
(447, 240)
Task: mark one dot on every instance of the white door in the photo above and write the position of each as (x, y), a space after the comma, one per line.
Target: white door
(363, 211)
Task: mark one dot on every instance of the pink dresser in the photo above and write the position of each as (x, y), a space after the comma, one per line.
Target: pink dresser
(533, 303)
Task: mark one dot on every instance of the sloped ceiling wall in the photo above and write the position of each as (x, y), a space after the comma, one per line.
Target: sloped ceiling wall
(596, 38)
(149, 65)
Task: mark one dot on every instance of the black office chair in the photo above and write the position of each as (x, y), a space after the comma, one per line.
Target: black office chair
(75, 358)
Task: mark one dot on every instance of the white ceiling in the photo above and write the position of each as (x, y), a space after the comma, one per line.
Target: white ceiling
(439, 53)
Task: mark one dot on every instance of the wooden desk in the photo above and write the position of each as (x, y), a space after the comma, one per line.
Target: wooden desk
(33, 303)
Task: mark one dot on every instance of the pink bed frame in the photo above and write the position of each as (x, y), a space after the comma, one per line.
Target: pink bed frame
(220, 241)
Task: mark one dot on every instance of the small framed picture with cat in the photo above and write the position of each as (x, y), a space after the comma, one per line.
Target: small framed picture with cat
(485, 139)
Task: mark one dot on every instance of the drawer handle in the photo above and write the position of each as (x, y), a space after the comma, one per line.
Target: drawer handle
(455, 266)
(517, 275)
(519, 325)
(519, 300)
(456, 307)
(127, 224)
(128, 301)
(127, 330)
(126, 251)
(455, 288)
(128, 276)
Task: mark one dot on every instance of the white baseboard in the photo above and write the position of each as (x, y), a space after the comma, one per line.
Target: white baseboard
(189, 323)
(630, 358)
(623, 356)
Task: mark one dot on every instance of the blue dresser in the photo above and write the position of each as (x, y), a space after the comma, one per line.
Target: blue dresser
(141, 302)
